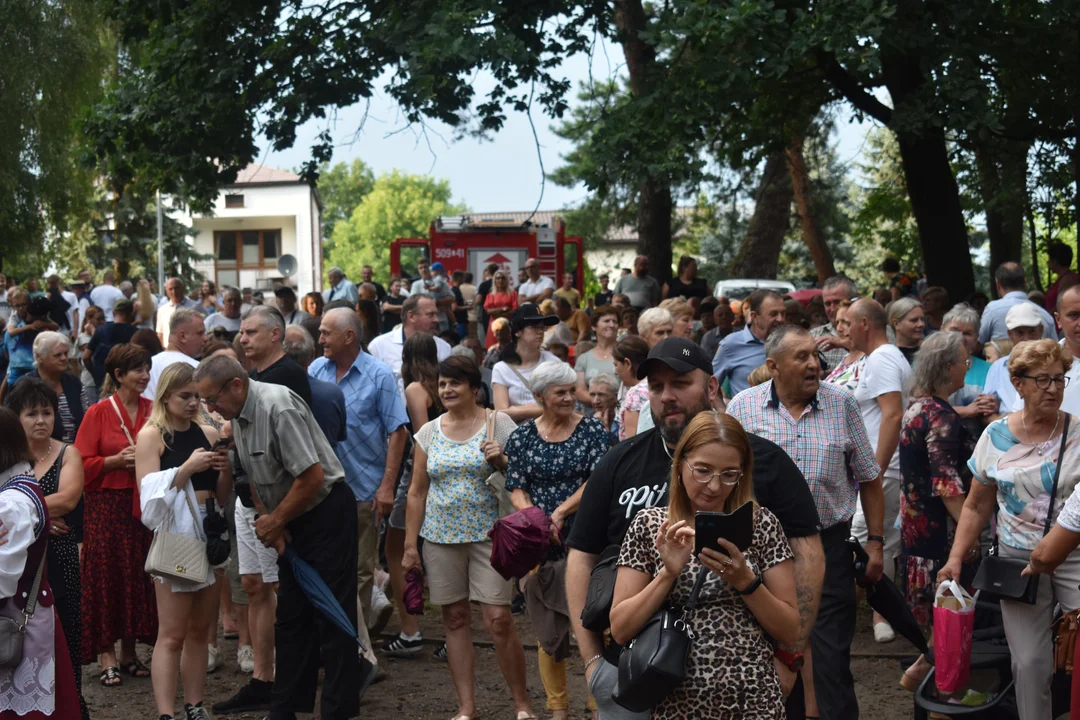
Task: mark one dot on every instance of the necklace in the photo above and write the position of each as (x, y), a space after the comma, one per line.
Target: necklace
(48, 452)
(663, 444)
(1038, 448)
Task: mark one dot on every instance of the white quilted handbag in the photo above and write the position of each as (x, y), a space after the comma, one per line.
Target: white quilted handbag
(178, 558)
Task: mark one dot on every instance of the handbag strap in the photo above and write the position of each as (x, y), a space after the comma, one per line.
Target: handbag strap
(692, 602)
(123, 425)
(1057, 474)
(199, 534)
(31, 603)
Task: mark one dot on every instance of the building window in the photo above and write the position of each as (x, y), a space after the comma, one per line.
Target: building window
(244, 250)
(234, 201)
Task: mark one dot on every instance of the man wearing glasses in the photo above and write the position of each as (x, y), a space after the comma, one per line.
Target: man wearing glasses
(634, 475)
(819, 426)
(1023, 323)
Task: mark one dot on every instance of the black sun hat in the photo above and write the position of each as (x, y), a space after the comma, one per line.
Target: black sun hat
(529, 314)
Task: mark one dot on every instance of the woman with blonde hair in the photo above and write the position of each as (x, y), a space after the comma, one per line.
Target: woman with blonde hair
(178, 471)
(848, 372)
(744, 597)
(682, 316)
(144, 305)
(907, 321)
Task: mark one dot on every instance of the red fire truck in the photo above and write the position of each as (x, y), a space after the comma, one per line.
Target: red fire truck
(463, 243)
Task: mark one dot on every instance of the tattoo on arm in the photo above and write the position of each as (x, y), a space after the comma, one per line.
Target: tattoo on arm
(809, 576)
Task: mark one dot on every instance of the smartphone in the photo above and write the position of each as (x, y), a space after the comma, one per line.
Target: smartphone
(221, 444)
(737, 527)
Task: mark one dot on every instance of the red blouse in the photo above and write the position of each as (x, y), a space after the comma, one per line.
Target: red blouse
(100, 436)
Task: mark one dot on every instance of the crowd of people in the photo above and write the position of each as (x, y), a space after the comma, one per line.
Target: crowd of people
(378, 433)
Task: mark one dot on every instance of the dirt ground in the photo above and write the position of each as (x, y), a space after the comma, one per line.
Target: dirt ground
(420, 688)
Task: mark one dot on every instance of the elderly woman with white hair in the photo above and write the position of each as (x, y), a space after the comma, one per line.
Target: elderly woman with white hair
(548, 461)
(907, 321)
(654, 325)
(603, 396)
(51, 352)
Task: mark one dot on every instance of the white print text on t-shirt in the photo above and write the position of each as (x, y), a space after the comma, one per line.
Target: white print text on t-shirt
(637, 498)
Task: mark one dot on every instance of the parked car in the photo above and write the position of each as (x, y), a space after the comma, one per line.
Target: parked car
(737, 289)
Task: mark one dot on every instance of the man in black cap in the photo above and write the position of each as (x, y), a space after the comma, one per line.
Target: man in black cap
(286, 300)
(634, 475)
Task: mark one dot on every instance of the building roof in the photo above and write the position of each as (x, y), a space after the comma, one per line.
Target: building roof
(255, 174)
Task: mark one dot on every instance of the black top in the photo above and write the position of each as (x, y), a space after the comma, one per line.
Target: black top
(635, 473)
(460, 316)
(380, 291)
(389, 319)
(287, 372)
(698, 289)
(178, 448)
(603, 298)
(105, 337)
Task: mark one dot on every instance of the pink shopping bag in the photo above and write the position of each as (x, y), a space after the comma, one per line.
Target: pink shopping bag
(954, 620)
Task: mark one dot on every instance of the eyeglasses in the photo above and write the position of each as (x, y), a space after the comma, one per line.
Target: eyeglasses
(967, 362)
(704, 475)
(1043, 381)
(212, 399)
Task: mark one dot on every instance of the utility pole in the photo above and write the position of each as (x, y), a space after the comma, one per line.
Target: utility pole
(160, 248)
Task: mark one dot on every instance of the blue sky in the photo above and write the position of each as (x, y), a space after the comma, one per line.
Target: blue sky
(502, 174)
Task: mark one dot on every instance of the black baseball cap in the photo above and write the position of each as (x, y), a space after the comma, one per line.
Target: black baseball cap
(679, 354)
(529, 314)
(284, 291)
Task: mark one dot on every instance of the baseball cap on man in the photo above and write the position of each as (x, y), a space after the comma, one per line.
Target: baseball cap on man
(1022, 315)
(679, 354)
(437, 266)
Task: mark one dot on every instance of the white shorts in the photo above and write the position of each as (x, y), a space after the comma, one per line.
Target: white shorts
(253, 557)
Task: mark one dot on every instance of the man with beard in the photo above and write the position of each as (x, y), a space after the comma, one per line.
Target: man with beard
(635, 475)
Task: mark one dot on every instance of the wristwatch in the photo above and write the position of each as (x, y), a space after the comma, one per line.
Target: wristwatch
(753, 586)
(875, 538)
(793, 660)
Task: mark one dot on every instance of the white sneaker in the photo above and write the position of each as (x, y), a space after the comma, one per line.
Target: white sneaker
(883, 632)
(381, 611)
(213, 659)
(245, 656)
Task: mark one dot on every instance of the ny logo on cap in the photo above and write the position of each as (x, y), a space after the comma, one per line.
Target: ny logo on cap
(686, 352)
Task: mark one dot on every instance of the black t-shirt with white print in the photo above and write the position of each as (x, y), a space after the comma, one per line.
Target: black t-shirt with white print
(635, 474)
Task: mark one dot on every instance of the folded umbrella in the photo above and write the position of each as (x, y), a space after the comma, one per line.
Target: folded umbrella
(413, 595)
(319, 593)
(887, 600)
(519, 542)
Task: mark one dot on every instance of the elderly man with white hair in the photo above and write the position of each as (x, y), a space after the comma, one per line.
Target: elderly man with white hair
(51, 351)
(1023, 322)
(340, 288)
(550, 458)
(375, 434)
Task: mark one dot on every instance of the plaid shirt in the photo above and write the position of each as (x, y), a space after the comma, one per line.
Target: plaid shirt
(835, 356)
(828, 443)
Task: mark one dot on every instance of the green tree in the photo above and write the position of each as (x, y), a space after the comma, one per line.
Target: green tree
(341, 188)
(398, 205)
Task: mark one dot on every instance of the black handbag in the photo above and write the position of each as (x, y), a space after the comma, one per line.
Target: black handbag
(654, 663)
(1000, 576)
(595, 614)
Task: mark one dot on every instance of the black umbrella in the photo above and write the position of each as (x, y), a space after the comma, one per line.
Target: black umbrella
(887, 600)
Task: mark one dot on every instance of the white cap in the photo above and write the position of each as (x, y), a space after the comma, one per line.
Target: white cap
(1023, 315)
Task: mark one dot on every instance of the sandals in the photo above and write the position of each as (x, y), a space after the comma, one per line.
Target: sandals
(110, 677)
(135, 668)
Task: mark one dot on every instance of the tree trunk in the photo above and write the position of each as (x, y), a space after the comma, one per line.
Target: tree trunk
(654, 202)
(759, 252)
(804, 201)
(1002, 171)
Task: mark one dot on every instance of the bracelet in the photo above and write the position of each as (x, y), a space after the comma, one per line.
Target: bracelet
(592, 660)
(875, 538)
(751, 588)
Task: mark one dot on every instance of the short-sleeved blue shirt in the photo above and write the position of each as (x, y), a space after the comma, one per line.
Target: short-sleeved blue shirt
(739, 355)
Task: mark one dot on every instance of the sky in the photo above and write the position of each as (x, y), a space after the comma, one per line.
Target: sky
(500, 175)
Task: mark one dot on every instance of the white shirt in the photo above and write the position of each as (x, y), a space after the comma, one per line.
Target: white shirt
(886, 370)
(105, 296)
(73, 307)
(520, 394)
(165, 313)
(530, 288)
(19, 514)
(387, 349)
(219, 320)
(158, 364)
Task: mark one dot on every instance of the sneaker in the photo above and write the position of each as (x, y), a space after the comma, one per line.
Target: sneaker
(440, 653)
(245, 657)
(213, 659)
(381, 611)
(517, 605)
(402, 647)
(196, 712)
(253, 697)
(883, 632)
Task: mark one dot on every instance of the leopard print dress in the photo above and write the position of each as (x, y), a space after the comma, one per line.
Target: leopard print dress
(730, 672)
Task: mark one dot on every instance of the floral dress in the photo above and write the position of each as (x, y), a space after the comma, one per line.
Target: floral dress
(550, 472)
(846, 375)
(730, 673)
(934, 445)
(636, 400)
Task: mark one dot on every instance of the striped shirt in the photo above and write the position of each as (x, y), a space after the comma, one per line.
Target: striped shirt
(828, 443)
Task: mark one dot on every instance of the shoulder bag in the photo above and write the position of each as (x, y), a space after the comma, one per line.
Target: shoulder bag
(1000, 576)
(178, 558)
(595, 616)
(654, 663)
(497, 480)
(13, 632)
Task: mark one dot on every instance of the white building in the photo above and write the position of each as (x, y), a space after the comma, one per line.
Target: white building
(264, 215)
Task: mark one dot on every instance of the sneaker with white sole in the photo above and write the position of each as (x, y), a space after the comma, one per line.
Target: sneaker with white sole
(883, 632)
(213, 659)
(381, 611)
(245, 658)
(402, 647)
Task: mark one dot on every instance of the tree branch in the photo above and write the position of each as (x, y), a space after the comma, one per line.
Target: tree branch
(851, 88)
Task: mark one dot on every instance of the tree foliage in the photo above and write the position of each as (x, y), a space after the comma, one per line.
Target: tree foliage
(342, 188)
(398, 205)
